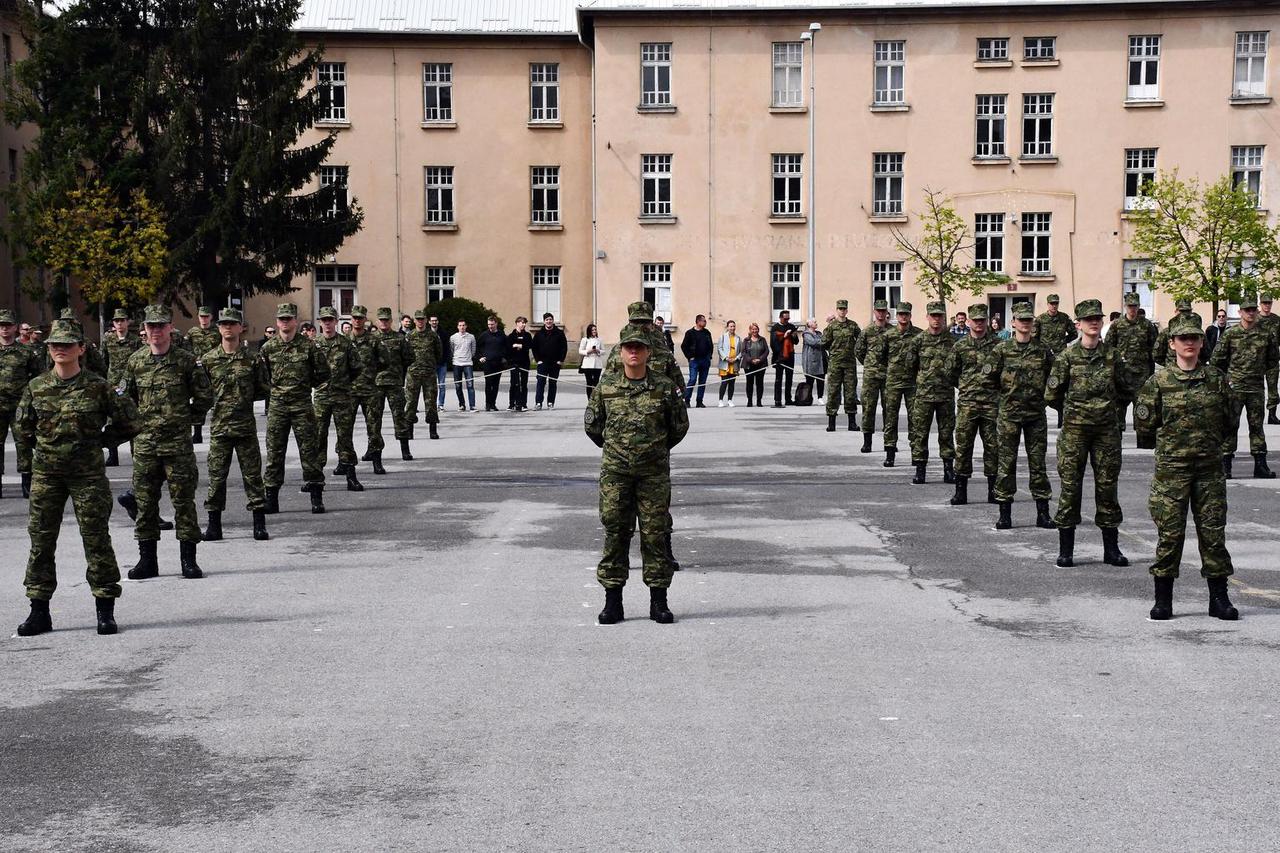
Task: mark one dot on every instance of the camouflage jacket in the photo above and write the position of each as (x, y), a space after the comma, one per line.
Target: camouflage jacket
(19, 364)
(1134, 340)
(295, 367)
(870, 350)
(973, 370)
(172, 392)
(1270, 322)
(661, 358)
(1085, 385)
(1055, 331)
(1160, 350)
(895, 358)
(1246, 355)
(1022, 371)
(237, 379)
(637, 422)
(1183, 414)
(928, 356)
(374, 358)
(181, 341)
(840, 340)
(116, 352)
(398, 357)
(203, 340)
(344, 367)
(425, 351)
(68, 423)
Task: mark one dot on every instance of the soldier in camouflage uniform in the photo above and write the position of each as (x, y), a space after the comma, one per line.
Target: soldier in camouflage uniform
(295, 366)
(1055, 330)
(333, 400)
(1087, 382)
(899, 378)
(1270, 322)
(1160, 349)
(1022, 369)
(202, 338)
(840, 339)
(426, 351)
(973, 370)
(1133, 337)
(172, 392)
(19, 364)
(636, 415)
(116, 349)
(237, 377)
(1183, 414)
(374, 358)
(928, 356)
(870, 351)
(66, 417)
(1245, 353)
(390, 381)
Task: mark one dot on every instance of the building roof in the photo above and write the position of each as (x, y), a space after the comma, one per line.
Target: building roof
(588, 6)
(467, 17)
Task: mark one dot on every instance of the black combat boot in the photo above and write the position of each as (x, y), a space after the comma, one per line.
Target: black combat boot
(213, 533)
(831, 423)
(1260, 469)
(317, 499)
(1226, 465)
(948, 470)
(1066, 547)
(1042, 514)
(106, 615)
(991, 490)
(1005, 521)
(273, 501)
(1271, 416)
(889, 453)
(431, 430)
(113, 457)
(658, 610)
(130, 504)
(612, 612)
(853, 420)
(404, 450)
(377, 463)
(1111, 548)
(197, 434)
(340, 469)
(26, 485)
(919, 478)
(1163, 608)
(147, 566)
(1219, 603)
(368, 456)
(38, 620)
(961, 497)
(353, 485)
(866, 442)
(187, 554)
(260, 525)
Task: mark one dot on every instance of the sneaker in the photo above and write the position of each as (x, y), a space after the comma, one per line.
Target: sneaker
(551, 405)
(537, 407)
(820, 401)
(720, 405)
(731, 404)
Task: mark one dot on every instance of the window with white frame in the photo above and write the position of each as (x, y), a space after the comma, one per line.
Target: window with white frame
(1250, 79)
(1037, 125)
(332, 79)
(1144, 68)
(886, 282)
(1139, 170)
(1137, 279)
(546, 291)
(655, 74)
(655, 183)
(439, 195)
(544, 91)
(545, 206)
(785, 283)
(787, 173)
(441, 283)
(336, 287)
(437, 91)
(788, 76)
(655, 288)
(1035, 243)
(1243, 271)
(887, 184)
(890, 71)
(1246, 169)
(336, 177)
(988, 241)
(993, 50)
(1040, 48)
(991, 126)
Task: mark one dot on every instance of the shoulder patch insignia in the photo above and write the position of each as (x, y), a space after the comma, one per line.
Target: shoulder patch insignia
(1141, 411)
(1053, 382)
(589, 417)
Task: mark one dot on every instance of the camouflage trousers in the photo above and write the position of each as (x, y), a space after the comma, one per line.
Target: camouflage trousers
(150, 472)
(219, 462)
(1252, 404)
(971, 422)
(23, 454)
(1203, 486)
(393, 397)
(1273, 387)
(842, 384)
(301, 419)
(624, 498)
(424, 387)
(343, 414)
(893, 400)
(91, 498)
(1035, 432)
(920, 419)
(872, 395)
(1099, 447)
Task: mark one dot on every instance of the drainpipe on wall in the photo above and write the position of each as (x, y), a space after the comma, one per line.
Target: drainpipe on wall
(395, 129)
(711, 171)
(595, 252)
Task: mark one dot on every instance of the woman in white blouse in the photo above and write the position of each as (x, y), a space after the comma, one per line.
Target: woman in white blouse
(592, 358)
(730, 351)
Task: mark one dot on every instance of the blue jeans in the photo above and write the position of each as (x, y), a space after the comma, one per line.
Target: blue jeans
(461, 373)
(442, 370)
(698, 369)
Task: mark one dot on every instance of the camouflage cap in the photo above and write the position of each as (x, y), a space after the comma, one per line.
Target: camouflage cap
(1183, 304)
(1088, 308)
(204, 311)
(936, 308)
(384, 313)
(1249, 303)
(66, 314)
(328, 312)
(359, 311)
(121, 314)
(157, 315)
(1132, 299)
(286, 309)
(1265, 298)
(230, 315)
(638, 312)
(64, 332)
(842, 303)
(977, 311)
(1184, 326)
(1052, 299)
(1023, 311)
(634, 336)
(904, 307)
(880, 305)
(419, 314)
(7, 318)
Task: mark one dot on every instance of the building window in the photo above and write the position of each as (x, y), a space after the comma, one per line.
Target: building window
(656, 184)
(991, 125)
(441, 283)
(993, 50)
(1035, 244)
(1139, 170)
(787, 172)
(988, 241)
(332, 77)
(437, 91)
(1251, 65)
(655, 288)
(886, 282)
(544, 91)
(1144, 68)
(545, 209)
(546, 291)
(788, 78)
(1246, 169)
(336, 177)
(786, 289)
(1040, 48)
(439, 190)
(887, 182)
(1137, 279)
(890, 68)
(1037, 125)
(336, 287)
(655, 76)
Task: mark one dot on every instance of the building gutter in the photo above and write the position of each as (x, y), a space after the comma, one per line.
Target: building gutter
(595, 253)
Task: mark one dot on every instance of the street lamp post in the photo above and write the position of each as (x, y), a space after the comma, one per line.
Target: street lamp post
(809, 36)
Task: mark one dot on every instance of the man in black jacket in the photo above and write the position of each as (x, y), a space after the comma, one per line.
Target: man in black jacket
(491, 353)
(519, 345)
(549, 349)
(697, 347)
(783, 338)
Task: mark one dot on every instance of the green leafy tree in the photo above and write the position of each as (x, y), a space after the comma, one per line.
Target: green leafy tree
(939, 253)
(450, 311)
